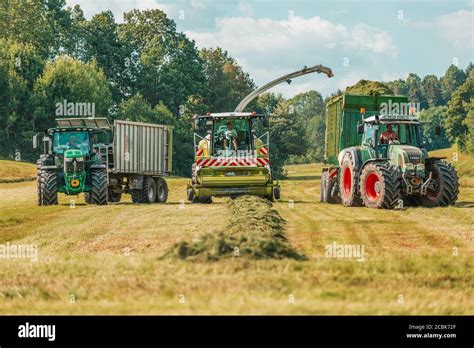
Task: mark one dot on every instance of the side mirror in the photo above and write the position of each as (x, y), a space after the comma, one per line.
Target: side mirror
(35, 141)
(437, 130)
(360, 128)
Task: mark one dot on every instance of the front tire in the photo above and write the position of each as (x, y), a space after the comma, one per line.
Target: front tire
(49, 188)
(348, 181)
(379, 186)
(99, 189)
(445, 190)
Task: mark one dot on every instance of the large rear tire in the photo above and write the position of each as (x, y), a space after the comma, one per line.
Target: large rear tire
(99, 189)
(445, 190)
(49, 187)
(348, 181)
(380, 186)
(161, 190)
(147, 194)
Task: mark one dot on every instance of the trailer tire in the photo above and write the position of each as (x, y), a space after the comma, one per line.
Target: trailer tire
(99, 187)
(332, 193)
(49, 187)
(447, 189)
(276, 193)
(348, 182)
(114, 197)
(147, 194)
(202, 200)
(380, 186)
(161, 190)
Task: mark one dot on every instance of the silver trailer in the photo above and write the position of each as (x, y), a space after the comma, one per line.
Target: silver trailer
(138, 155)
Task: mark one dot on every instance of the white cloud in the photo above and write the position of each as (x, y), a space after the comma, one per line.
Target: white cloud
(457, 27)
(267, 48)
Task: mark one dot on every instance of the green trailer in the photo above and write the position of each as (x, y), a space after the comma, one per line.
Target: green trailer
(374, 156)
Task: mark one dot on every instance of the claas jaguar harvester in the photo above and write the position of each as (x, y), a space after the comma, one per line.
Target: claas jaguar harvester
(90, 156)
(232, 151)
(363, 168)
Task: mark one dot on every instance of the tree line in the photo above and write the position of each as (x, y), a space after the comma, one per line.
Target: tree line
(145, 70)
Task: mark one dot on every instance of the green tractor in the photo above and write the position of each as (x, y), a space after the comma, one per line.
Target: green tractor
(389, 168)
(69, 164)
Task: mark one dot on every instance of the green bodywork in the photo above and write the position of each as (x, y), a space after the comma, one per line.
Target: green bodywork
(74, 173)
(342, 117)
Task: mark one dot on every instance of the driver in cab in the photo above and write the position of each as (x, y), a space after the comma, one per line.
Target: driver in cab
(230, 137)
(388, 136)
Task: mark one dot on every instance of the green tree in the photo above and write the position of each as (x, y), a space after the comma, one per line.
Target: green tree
(227, 84)
(20, 64)
(170, 67)
(431, 89)
(451, 81)
(432, 118)
(67, 79)
(469, 122)
(457, 128)
(415, 93)
(399, 87)
(40, 23)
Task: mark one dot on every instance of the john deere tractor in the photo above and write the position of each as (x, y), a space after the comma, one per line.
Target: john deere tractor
(389, 168)
(69, 165)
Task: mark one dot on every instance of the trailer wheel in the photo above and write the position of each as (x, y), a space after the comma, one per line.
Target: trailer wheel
(202, 200)
(445, 188)
(332, 191)
(114, 197)
(348, 182)
(276, 193)
(147, 194)
(49, 187)
(161, 190)
(99, 189)
(379, 186)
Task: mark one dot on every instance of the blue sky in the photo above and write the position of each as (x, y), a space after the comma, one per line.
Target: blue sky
(379, 40)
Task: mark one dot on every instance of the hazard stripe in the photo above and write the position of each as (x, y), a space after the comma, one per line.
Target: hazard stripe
(264, 151)
(199, 152)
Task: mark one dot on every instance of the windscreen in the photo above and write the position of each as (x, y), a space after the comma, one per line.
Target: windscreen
(63, 141)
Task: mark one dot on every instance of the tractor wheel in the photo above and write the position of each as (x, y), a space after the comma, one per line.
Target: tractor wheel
(348, 181)
(323, 189)
(276, 193)
(412, 200)
(445, 187)
(49, 187)
(161, 190)
(99, 190)
(87, 198)
(147, 194)
(379, 186)
(332, 192)
(114, 197)
(38, 185)
(202, 200)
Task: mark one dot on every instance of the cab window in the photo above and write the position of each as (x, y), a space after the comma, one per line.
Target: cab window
(63, 141)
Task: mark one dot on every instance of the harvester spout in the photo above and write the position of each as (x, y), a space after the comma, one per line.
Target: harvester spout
(285, 78)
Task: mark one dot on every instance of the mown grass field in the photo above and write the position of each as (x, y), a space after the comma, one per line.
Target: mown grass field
(106, 260)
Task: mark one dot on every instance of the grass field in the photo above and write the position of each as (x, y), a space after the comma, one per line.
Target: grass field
(106, 260)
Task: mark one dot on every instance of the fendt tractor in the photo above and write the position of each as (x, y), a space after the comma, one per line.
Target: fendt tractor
(88, 155)
(377, 159)
(232, 155)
